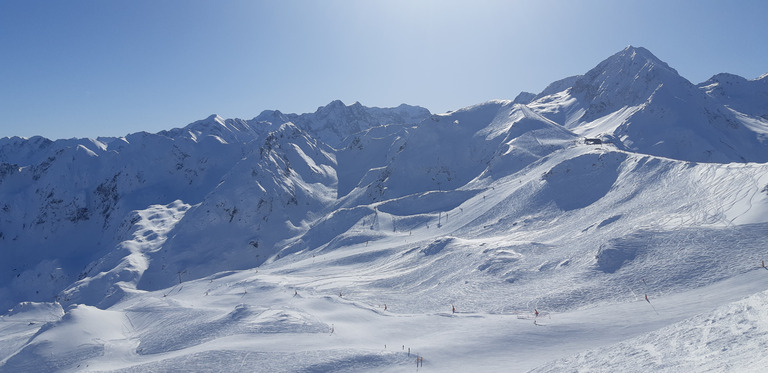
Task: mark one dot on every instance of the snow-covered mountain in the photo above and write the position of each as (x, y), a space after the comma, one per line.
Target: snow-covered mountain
(740, 94)
(67, 204)
(640, 104)
(603, 211)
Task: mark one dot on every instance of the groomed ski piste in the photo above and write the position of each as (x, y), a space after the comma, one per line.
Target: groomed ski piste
(490, 239)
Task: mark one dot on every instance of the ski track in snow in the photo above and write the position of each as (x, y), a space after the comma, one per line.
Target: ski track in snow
(271, 329)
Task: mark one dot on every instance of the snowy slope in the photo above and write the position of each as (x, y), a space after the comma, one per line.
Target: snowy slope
(730, 338)
(356, 239)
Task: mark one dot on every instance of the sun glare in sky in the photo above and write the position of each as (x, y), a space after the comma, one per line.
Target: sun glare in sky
(103, 68)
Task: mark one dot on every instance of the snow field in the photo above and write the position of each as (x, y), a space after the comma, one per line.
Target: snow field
(271, 329)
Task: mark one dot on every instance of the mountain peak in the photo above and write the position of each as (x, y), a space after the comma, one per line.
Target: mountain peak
(738, 93)
(639, 52)
(524, 98)
(212, 122)
(627, 78)
(632, 60)
(724, 78)
(272, 116)
(215, 118)
(333, 105)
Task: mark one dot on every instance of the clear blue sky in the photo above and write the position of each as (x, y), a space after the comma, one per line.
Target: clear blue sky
(111, 67)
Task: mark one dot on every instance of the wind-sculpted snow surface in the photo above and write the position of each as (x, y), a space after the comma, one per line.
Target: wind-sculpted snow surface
(730, 338)
(616, 221)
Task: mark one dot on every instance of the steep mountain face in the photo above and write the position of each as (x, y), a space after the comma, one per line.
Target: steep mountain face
(391, 163)
(65, 212)
(640, 104)
(626, 79)
(270, 195)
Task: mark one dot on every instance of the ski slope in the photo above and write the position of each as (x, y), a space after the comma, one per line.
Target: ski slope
(254, 321)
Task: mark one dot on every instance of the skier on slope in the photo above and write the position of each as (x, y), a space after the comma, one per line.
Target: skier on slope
(649, 302)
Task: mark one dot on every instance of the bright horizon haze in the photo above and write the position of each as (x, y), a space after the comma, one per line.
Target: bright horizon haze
(109, 68)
